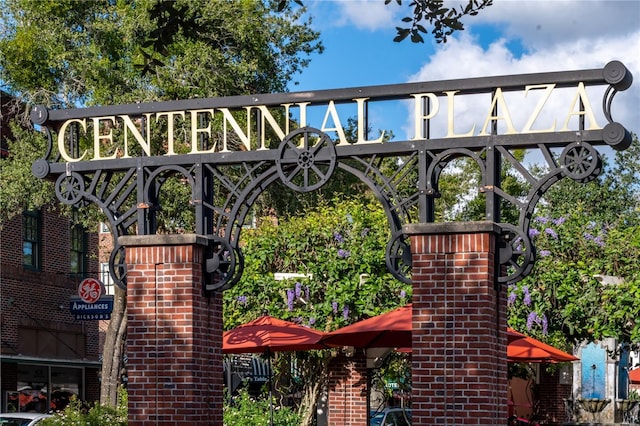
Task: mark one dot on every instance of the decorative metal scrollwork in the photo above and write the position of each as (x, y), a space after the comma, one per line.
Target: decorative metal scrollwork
(300, 164)
(516, 253)
(223, 264)
(398, 257)
(118, 267)
(404, 175)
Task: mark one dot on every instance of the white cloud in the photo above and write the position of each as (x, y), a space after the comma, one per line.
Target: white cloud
(463, 57)
(539, 24)
(369, 15)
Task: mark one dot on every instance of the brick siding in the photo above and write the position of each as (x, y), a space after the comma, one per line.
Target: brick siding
(347, 403)
(459, 327)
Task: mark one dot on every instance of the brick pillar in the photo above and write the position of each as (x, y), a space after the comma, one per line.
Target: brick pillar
(459, 358)
(174, 341)
(347, 402)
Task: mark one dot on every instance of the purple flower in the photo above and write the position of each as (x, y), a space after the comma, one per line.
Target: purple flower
(541, 219)
(533, 232)
(403, 294)
(545, 324)
(343, 253)
(587, 236)
(334, 306)
(544, 253)
(527, 299)
(297, 320)
(591, 225)
(364, 232)
(512, 298)
(559, 221)
(551, 232)
(298, 289)
(242, 299)
(290, 298)
(312, 321)
(339, 238)
(598, 241)
(531, 319)
(345, 312)
(306, 292)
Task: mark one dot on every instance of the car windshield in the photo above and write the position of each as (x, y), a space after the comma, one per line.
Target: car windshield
(14, 421)
(376, 418)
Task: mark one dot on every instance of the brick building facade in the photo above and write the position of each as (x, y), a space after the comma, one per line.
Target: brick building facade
(45, 353)
(43, 346)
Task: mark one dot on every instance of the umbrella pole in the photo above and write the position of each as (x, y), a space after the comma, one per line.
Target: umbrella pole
(270, 388)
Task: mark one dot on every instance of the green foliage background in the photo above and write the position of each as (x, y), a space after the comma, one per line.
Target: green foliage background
(341, 245)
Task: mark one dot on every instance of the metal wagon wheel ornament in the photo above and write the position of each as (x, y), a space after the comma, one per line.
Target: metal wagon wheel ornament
(70, 189)
(298, 164)
(581, 162)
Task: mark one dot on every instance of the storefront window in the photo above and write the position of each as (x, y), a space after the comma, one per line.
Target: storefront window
(44, 388)
(65, 383)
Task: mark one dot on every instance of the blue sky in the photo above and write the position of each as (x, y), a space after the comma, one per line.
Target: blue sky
(510, 37)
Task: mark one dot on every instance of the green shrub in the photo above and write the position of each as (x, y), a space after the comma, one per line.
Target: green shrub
(245, 410)
(78, 413)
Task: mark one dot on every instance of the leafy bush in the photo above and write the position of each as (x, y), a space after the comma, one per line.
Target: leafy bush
(246, 410)
(78, 413)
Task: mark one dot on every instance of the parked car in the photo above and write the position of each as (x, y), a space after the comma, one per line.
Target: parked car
(391, 416)
(21, 419)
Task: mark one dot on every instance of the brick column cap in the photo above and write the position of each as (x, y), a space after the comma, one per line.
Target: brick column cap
(162, 240)
(443, 228)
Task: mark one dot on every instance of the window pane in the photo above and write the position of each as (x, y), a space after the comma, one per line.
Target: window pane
(31, 239)
(27, 253)
(78, 249)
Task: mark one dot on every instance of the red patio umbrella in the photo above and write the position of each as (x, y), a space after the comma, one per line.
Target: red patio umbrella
(528, 349)
(267, 335)
(389, 330)
(634, 376)
(270, 334)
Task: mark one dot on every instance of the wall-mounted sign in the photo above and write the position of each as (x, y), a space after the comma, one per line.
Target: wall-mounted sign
(99, 310)
(90, 290)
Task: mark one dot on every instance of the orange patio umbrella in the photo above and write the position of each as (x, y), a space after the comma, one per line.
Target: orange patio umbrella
(389, 330)
(634, 376)
(528, 349)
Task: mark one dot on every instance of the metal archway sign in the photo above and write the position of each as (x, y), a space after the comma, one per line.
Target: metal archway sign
(229, 150)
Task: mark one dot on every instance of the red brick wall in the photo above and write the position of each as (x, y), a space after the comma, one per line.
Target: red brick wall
(174, 334)
(550, 394)
(347, 404)
(459, 361)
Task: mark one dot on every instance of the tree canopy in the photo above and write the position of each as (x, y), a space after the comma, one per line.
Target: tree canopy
(66, 54)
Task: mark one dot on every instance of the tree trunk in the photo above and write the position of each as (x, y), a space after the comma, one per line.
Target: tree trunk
(113, 350)
(315, 378)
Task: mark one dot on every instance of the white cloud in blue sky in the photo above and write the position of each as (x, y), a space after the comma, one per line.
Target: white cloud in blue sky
(510, 37)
